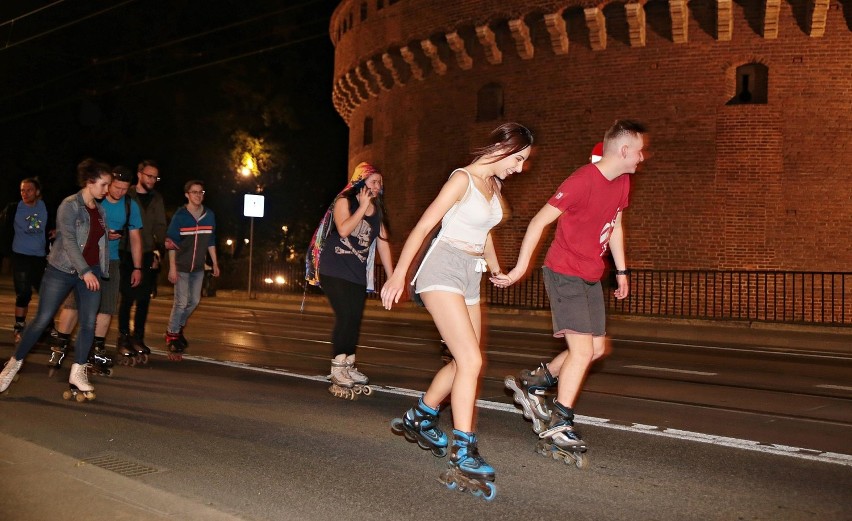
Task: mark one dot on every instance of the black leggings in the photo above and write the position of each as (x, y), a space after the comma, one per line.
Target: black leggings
(347, 300)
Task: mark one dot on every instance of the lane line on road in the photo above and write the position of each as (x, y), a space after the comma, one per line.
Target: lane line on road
(669, 370)
(838, 387)
(636, 428)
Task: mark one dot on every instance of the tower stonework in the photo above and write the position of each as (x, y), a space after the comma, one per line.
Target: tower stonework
(749, 106)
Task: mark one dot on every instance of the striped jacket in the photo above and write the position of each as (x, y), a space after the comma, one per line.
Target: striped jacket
(193, 237)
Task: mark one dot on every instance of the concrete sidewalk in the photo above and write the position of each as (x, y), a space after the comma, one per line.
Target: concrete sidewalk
(43, 485)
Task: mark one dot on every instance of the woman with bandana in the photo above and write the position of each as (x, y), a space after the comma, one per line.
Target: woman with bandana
(341, 260)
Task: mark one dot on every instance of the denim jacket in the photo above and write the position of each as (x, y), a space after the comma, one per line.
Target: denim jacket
(72, 231)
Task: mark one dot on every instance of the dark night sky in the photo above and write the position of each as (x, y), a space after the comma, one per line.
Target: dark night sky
(173, 80)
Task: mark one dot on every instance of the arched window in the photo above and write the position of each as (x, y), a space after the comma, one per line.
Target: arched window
(489, 102)
(363, 11)
(752, 84)
(368, 131)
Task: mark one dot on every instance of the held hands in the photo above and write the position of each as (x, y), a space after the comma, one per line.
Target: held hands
(504, 280)
(623, 287)
(392, 290)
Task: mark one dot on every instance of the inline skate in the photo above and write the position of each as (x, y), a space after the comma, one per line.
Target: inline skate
(127, 354)
(10, 373)
(468, 471)
(79, 387)
(99, 363)
(560, 440)
(529, 392)
(175, 347)
(142, 350)
(58, 349)
(420, 425)
(346, 383)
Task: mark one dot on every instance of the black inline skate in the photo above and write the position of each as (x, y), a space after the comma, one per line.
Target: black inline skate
(420, 425)
(58, 349)
(99, 363)
(560, 440)
(529, 390)
(127, 354)
(142, 350)
(468, 471)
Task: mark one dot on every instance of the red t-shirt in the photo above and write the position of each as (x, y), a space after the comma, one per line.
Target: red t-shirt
(91, 252)
(589, 203)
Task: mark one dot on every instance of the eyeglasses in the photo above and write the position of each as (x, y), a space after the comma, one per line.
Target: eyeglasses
(152, 176)
(197, 192)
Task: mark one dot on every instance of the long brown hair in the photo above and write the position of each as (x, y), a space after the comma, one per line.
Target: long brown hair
(505, 140)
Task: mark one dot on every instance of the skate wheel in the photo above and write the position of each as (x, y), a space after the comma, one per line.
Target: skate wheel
(439, 452)
(66, 395)
(108, 372)
(491, 493)
(81, 398)
(396, 426)
(580, 460)
(367, 390)
(16, 378)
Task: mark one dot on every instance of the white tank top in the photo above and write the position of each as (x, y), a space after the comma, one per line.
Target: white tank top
(467, 223)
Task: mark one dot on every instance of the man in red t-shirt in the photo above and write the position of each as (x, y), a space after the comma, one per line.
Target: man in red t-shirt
(587, 207)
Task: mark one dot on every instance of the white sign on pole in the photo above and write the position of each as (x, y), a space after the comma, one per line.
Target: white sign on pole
(253, 205)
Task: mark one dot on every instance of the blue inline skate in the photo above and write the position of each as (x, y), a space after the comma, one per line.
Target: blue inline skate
(468, 471)
(419, 425)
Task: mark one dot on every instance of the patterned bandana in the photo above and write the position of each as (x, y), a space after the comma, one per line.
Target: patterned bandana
(359, 176)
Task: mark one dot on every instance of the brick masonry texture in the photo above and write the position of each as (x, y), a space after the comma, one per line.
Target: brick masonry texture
(753, 186)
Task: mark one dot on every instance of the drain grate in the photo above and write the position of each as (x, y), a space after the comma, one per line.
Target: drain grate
(120, 466)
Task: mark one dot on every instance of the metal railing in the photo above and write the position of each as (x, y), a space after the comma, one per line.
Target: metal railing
(765, 296)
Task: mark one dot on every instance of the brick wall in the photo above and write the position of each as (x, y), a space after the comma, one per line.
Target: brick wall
(724, 187)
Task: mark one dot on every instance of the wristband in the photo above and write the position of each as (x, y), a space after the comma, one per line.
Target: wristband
(622, 272)
(135, 268)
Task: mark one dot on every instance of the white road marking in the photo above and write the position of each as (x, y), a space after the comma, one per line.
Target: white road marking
(669, 370)
(638, 428)
(838, 387)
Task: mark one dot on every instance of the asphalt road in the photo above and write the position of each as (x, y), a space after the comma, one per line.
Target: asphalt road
(245, 426)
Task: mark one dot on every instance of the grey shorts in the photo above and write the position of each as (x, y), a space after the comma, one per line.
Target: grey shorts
(450, 269)
(109, 292)
(576, 306)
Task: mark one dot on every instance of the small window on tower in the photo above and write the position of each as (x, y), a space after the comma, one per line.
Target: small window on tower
(752, 84)
(489, 102)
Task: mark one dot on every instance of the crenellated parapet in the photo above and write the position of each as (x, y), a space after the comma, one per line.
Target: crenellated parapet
(408, 41)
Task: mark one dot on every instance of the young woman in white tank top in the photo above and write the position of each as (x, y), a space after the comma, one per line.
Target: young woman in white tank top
(469, 205)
